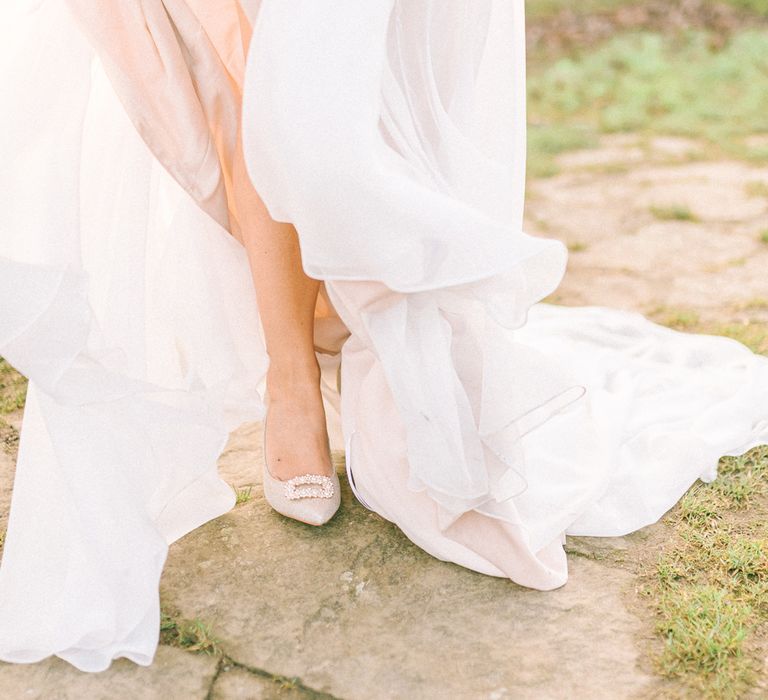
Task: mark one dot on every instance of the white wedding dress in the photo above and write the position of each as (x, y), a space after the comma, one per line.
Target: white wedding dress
(485, 424)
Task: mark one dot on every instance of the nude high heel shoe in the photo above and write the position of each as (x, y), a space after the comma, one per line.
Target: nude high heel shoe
(309, 498)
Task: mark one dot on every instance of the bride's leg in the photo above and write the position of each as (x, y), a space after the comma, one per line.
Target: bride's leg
(296, 430)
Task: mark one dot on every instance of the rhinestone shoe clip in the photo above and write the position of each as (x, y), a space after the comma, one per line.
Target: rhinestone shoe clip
(324, 488)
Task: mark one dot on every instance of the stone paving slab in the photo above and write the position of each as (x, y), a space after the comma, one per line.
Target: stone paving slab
(238, 684)
(355, 610)
(175, 674)
(626, 254)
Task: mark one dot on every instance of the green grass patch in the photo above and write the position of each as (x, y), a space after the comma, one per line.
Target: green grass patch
(709, 587)
(242, 495)
(13, 388)
(679, 319)
(192, 635)
(756, 188)
(756, 152)
(537, 9)
(9, 437)
(763, 236)
(545, 143)
(652, 84)
(754, 335)
(759, 7)
(673, 212)
(697, 511)
(541, 9)
(747, 560)
(705, 631)
(756, 304)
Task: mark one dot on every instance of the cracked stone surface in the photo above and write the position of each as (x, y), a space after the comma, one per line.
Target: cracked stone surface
(354, 609)
(174, 674)
(239, 684)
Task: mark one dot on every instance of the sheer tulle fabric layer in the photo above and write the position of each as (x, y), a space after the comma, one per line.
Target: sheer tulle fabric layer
(129, 309)
(392, 134)
(421, 125)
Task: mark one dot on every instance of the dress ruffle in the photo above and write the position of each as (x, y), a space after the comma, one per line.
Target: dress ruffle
(399, 156)
(129, 308)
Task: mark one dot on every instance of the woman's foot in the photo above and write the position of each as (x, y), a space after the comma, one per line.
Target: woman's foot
(298, 476)
(296, 438)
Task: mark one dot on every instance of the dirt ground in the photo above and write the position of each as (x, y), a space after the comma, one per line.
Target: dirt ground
(655, 230)
(354, 610)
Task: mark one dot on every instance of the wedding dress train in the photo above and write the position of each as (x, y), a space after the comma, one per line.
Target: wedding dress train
(485, 424)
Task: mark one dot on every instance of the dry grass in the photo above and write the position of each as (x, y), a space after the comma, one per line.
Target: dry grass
(192, 635)
(13, 388)
(673, 212)
(242, 495)
(709, 585)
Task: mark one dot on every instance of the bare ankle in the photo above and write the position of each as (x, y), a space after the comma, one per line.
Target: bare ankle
(287, 377)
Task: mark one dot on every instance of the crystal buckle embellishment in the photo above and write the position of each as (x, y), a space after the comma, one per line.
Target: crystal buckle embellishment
(323, 490)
